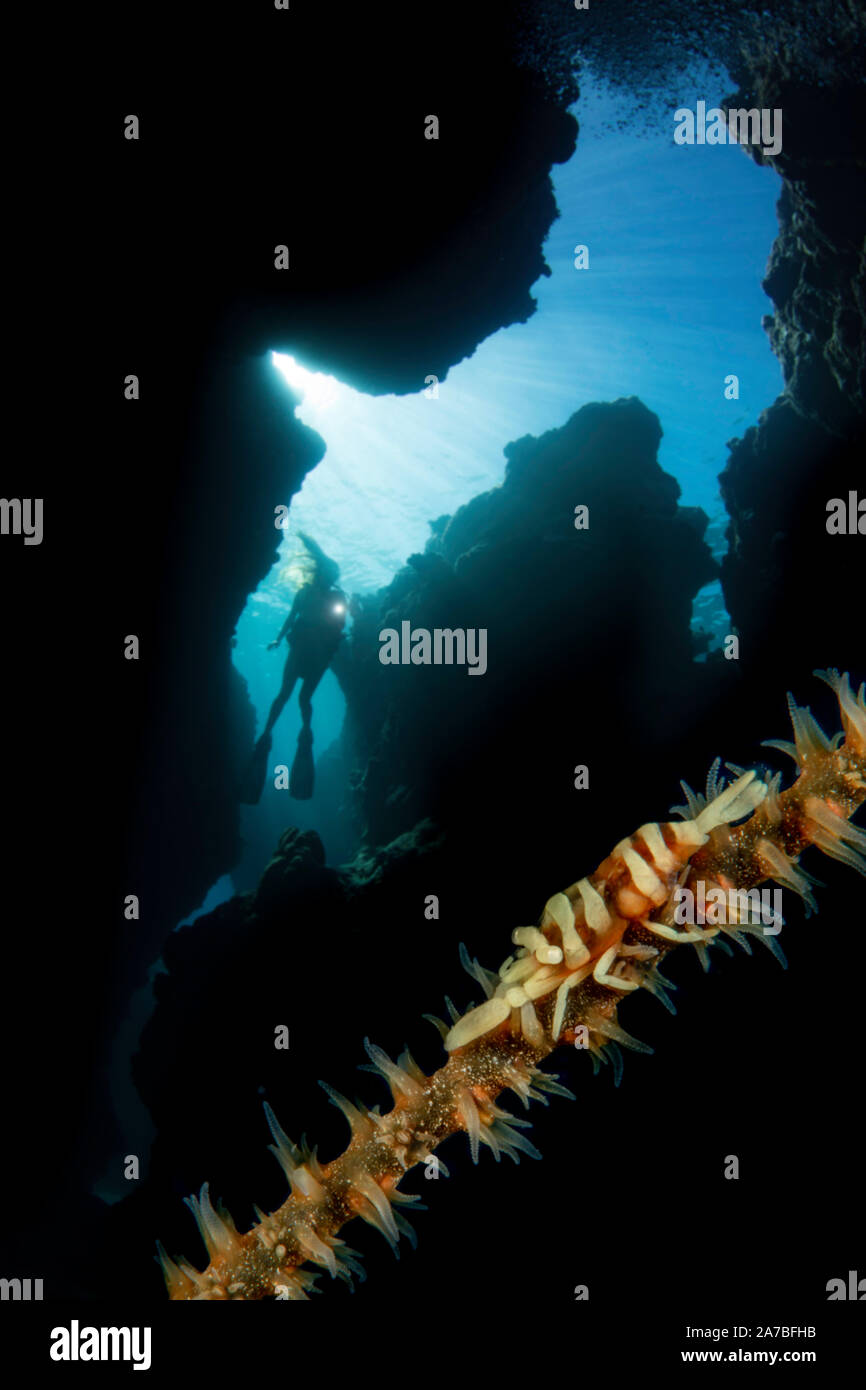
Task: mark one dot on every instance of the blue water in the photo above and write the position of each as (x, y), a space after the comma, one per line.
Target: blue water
(671, 304)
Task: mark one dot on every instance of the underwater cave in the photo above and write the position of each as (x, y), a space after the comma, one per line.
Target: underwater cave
(543, 369)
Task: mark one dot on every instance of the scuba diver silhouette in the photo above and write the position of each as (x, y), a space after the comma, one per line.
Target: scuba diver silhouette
(314, 630)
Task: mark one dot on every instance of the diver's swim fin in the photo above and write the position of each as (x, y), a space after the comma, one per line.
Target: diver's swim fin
(254, 777)
(303, 776)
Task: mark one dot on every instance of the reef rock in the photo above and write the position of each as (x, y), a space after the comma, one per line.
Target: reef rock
(787, 581)
(816, 275)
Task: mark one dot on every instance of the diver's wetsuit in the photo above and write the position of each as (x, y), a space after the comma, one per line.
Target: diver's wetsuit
(314, 628)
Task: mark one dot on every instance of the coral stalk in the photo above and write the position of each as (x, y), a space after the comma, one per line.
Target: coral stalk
(597, 942)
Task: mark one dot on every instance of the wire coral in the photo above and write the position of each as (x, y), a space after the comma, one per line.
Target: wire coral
(595, 943)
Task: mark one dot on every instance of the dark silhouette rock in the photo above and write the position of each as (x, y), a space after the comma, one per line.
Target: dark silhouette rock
(787, 582)
(816, 275)
(555, 602)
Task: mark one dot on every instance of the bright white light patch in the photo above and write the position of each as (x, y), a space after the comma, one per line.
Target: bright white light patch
(318, 390)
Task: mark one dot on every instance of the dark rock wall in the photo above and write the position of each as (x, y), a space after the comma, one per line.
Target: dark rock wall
(246, 454)
(788, 583)
(815, 275)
